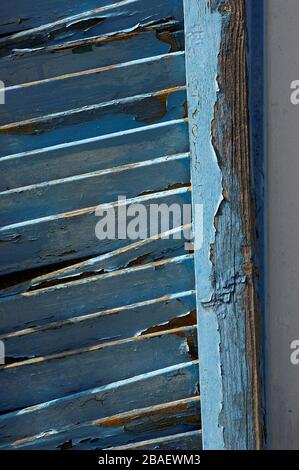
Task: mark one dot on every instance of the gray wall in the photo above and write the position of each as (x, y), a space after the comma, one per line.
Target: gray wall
(283, 184)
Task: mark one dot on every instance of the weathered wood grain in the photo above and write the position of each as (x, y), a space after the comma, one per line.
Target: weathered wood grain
(186, 441)
(57, 238)
(150, 389)
(73, 91)
(91, 122)
(119, 323)
(225, 267)
(94, 154)
(54, 22)
(95, 293)
(30, 65)
(161, 420)
(53, 377)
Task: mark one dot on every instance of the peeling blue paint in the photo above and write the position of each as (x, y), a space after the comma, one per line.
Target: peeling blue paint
(203, 39)
(221, 181)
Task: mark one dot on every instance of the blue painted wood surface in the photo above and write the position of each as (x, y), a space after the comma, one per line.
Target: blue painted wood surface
(82, 369)
(55, 23)
(94, 154)
(186, 441)
(110, 325)
(30, 65)
(165, 421)
(171, 243)
(95, 293)
(224, 267)
(146, 390)
(96, 107)
(66, 92)
(93, 121)
(91, 189)
(36, 242)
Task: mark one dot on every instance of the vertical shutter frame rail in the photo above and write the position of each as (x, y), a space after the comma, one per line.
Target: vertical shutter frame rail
(228, 306)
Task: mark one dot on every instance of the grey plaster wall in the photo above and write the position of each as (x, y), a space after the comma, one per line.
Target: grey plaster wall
(282, 52)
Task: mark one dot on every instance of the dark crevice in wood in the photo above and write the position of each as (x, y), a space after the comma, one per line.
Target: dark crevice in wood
(178, 322)
(10, 280)
(14, 360)
(66, 445)
(169, 188)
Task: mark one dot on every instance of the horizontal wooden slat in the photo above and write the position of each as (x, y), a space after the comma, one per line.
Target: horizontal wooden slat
(93, 121)
(157, 421)
(57, 20)
(167, 244)
(186, 441)
(92, 87)
(55, 376)
(18, 15)
(178, 382)
(177, 310)
(98, 153)
(90, 189)
(71, 235)
(28, 65)
(92, 294)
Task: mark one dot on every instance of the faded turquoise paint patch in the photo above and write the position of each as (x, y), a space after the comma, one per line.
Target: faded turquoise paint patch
(203, 40)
